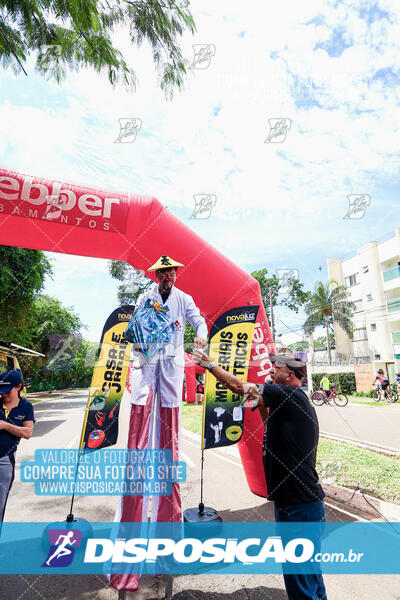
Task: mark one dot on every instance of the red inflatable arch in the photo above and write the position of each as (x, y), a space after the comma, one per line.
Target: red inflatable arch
(72, 219)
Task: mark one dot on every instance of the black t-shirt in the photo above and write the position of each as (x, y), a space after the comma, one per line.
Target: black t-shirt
(290, 446)
(17, 415)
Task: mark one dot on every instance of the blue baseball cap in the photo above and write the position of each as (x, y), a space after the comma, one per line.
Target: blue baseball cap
(9, 379)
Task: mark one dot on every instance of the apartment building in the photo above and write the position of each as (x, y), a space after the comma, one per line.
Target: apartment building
(372, 277)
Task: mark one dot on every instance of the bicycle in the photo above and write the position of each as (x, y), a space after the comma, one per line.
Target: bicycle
(392, 394)
(319, 398)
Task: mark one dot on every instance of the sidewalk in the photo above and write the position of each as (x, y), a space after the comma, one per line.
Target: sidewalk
(51, 394)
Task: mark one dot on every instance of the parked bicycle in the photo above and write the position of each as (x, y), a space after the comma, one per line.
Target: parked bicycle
(392, 393)
(319, 398)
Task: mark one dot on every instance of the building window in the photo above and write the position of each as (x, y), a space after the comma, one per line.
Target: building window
(358, 305)
(360, 334)
(365, 269)
(351, 280)
(360, 360)
(377, 357)
(369, 297)
(373, 326)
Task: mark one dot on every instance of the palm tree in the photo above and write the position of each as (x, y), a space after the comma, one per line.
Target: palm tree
(328, 303)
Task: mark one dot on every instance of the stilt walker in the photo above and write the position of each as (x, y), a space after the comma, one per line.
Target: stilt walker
(160, 381)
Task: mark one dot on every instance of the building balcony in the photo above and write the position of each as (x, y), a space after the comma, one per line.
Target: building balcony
(393, 305)
(391, 279)
(391, 274)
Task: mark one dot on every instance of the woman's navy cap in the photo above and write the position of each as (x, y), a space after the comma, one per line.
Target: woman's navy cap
(9, 379)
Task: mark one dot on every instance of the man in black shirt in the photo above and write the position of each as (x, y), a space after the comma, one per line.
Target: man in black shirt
(289, 450)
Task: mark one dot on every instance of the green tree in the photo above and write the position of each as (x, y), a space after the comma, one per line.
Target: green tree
(301, 346)
(320, 343)
(83, 363)
(329, 303)
(50, 325)
(49, 317)
(133, 283)
(75, 34)
(189, 336)
(22, 276)
(293, 300)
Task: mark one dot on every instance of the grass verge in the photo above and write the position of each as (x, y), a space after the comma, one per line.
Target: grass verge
(338, 462)
(350, 466)
(192, 417)
(372, 403)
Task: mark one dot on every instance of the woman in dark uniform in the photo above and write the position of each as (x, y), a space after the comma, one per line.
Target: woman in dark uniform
(16, 422)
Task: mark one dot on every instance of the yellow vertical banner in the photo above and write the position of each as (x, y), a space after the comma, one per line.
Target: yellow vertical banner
(100, 427)
(231, 338)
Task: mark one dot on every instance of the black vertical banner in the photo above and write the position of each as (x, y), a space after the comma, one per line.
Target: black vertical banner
(231, 339)
(108, 383)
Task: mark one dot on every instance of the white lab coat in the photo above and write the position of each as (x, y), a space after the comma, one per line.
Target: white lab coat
(164, 373)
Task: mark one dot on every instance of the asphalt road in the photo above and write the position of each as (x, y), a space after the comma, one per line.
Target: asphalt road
(373, 424)
(58, 426)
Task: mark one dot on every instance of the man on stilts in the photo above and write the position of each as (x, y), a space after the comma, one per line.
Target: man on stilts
(160, 381)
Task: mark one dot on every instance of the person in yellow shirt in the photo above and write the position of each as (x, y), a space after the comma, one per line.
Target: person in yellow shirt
(325, 384)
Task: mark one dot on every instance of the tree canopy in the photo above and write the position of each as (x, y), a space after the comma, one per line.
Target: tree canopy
(22, 276)
(27, 317)
(318, 344)
(49, 317)
(53, 330)
(133, 283)
(78, 33)
(293, 299)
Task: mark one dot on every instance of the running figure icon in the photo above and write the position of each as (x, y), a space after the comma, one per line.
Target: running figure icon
(62, 549)
(60, 553)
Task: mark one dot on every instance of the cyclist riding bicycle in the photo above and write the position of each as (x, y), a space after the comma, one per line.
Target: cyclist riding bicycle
(383, 382)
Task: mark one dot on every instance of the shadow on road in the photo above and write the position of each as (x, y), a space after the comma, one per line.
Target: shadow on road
(263, 513)
(258, 593)
(96, 587)
(43, 427)
(56, 587)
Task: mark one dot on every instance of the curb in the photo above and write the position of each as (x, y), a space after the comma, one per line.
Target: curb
(363, 502)
(46, 393)
(38, 397)
(367, 445)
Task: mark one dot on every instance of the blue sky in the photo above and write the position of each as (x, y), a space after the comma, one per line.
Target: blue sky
(331, 68)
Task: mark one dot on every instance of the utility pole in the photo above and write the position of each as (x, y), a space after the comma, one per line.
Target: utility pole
(271, 314)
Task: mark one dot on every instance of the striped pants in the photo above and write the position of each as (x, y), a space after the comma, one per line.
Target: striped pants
(164, 508)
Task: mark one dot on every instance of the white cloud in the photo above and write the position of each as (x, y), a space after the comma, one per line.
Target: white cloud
(271, 198)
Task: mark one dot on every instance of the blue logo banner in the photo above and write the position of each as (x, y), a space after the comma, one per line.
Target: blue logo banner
(181, 548)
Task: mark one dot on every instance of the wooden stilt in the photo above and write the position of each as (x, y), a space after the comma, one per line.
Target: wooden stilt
(168, 588)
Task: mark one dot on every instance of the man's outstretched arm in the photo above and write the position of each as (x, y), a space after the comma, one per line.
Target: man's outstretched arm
(233, 383)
